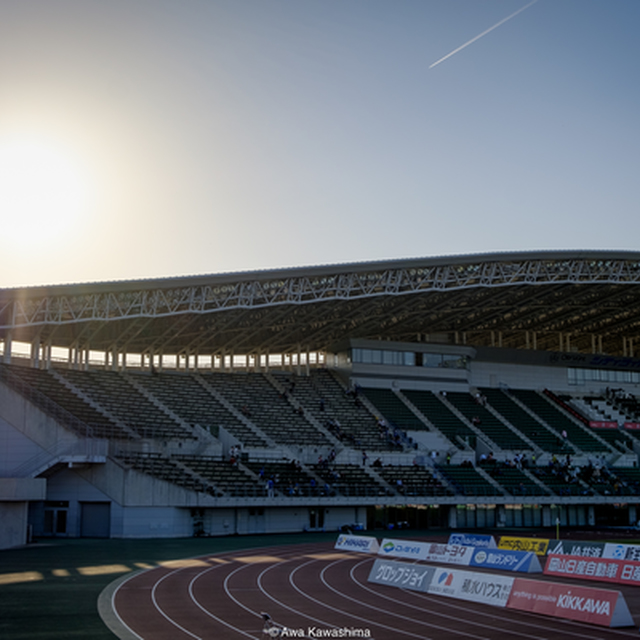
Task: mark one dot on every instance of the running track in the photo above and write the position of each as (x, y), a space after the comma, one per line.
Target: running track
(311, 586)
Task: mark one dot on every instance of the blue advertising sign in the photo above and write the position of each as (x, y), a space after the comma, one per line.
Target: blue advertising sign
(473, 540)
(520, 561)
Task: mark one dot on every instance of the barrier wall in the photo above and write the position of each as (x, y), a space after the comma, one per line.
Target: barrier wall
(473, 540)
(536, 545)
(601, 607)
(364, 544)
(594, 606)
(602, 569)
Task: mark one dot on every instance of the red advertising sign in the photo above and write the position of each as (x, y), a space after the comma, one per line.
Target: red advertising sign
(632, 425)
(594, 606)
(600, 424)
(605, 569)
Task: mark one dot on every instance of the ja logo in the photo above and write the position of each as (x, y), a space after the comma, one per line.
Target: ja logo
(618, 552)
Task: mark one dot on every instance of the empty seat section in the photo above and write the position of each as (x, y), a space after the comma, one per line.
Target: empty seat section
(256, 398)
(326, 400)
(442, 417)
(225, 478)
(484, 420)
(186, 397)
(412, 480)
(123, 401)
(288, 477)
(60, 395)
(515, 481)
(465, 480)
(163, 468)
(393, 409)
(348, 480)
(523, 421)
(559, 421)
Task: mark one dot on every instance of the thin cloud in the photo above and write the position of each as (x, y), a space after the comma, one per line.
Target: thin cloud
(484, 33)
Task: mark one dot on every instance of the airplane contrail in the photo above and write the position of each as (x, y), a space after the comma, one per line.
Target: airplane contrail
(484, 33)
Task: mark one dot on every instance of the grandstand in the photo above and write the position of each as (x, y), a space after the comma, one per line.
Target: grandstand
(468, 391)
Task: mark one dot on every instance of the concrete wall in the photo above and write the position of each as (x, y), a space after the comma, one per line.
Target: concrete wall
(13, 527)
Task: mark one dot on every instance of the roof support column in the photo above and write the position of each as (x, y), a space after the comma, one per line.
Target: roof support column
(266, 361)
(72, 356)
(298, 361)
(48, 348)
(223, 356)
(8, 343)
(34, 356)
(307, 363)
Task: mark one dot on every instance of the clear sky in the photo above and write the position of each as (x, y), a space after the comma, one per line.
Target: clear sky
(151, 138)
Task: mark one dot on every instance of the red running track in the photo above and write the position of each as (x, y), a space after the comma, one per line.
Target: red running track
(311, 589)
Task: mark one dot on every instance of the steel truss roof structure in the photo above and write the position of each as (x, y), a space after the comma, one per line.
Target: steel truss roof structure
(589, 301)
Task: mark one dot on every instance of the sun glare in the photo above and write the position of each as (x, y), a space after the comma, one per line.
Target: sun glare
(43, 190)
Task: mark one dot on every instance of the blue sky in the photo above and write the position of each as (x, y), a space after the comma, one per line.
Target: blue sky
(213, 136)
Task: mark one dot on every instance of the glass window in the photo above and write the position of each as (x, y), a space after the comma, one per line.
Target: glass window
(431, 360)
(409, 359)
(453, 362)
(388, 357)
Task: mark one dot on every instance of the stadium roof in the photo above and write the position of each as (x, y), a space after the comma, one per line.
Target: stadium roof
(554, 300)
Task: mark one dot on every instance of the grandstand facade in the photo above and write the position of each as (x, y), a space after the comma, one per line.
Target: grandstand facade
(470, 391)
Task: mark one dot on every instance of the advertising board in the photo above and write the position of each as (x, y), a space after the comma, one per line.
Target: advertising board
(473, 540)
(429, 551)
(401, 574)
(472, 586)
(604, 569)
(594, 606)
(520, 561)
(364, 544)
(618, 551)
(578, 548)
(536, 545)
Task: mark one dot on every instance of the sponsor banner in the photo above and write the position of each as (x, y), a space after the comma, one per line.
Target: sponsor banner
(401, 574)
(594, 606)
(632, 425)
(473, 540)
(471, 585)
(605, 569)
(431, 552)
(600, 424)
(536, 545)
(365, 544)
(621, 551)
(403, 549)
(578, 548)
(521, 561)
(450, 554)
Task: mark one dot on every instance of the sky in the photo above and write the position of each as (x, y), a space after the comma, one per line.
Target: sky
(155, 138)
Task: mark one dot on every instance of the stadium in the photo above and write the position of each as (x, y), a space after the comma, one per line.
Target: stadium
(461, 392)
